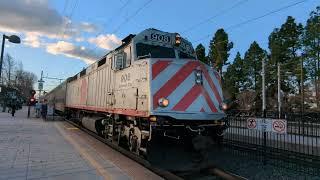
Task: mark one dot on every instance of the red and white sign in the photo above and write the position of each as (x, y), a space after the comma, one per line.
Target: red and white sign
(279, 126)
(267, 125)
(251, 123)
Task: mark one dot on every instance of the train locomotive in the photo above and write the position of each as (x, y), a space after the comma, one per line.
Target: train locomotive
(152, 84)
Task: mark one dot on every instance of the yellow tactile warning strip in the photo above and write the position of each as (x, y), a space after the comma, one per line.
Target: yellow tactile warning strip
(70, 128)
(100, 169)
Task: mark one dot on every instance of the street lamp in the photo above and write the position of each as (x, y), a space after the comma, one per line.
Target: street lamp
(14, 39)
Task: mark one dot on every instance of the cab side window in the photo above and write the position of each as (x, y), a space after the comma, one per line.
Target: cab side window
(122, 59)
(118, 59)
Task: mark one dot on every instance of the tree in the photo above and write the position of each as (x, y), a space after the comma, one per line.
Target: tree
(285, 45)
(234, 77)
(219, 50)
(25, 81)
(291, 34)
(201, 53)
(8, 67)
(253, 64)
(311, 49)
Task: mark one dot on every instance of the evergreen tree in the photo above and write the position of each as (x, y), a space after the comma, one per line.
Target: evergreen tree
(311, 42)
(234, 77)
(219, 50)
(201, 53)
(253, 64)
(284, 45)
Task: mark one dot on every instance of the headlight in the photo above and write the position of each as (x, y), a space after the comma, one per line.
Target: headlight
(198, 81)
(224, 106)
(163, 102)
(177, 39)
(198, 76)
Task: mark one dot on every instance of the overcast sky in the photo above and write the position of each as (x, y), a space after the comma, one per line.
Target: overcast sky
(61, 37)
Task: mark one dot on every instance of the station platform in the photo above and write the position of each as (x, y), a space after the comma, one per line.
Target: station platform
(31, 148)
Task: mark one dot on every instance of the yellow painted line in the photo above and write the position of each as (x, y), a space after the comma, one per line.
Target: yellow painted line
(100, 169)
(72, 128)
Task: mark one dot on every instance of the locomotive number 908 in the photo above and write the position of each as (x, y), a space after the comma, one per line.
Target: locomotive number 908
(159, 37)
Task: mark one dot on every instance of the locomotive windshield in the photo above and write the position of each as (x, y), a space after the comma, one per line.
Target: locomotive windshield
(152, 51)
(183, 55)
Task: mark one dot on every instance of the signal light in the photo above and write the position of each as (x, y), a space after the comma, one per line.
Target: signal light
(32, 101)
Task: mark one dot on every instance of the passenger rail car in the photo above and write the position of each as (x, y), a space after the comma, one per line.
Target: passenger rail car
(151, 84)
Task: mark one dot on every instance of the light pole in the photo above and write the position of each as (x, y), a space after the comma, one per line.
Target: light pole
(13, 39)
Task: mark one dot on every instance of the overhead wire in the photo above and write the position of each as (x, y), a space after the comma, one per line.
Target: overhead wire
(232, 27)
(107, 22)
(214, 16)
(126, 20)
(70, 18)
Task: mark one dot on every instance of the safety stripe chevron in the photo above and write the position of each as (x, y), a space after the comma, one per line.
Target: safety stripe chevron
(190, 97)
(211, 84)
(174, 81)
(158, 67)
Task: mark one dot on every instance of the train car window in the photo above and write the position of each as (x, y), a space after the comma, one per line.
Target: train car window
(127, 56)
(83, 72)
(102, 62)
(152, 51)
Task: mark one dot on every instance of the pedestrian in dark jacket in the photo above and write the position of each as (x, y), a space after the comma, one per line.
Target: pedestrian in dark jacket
(44, 109)
(13, 110)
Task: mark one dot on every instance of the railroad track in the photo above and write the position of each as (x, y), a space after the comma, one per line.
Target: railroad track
(166, 174)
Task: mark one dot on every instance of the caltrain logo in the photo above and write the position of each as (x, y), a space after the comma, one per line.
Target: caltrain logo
(176, 82)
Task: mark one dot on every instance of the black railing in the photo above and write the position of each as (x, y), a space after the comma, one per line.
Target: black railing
(301, 143)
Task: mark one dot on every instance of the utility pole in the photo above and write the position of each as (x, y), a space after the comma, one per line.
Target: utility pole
(279, 92)
(302, 95)
(40, 84)
(263, 74)
(302, 87)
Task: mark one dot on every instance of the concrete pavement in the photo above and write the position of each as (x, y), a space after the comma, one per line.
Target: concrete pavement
(37, 149)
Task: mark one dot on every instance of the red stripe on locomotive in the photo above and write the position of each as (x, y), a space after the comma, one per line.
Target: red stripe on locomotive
(209, 101)
(158, 67)
(211, 84)
(188, 98)
(174, 82)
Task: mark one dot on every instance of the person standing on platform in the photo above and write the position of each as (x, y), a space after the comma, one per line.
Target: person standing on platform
(38, 109)
(44, 109)
(13, 110)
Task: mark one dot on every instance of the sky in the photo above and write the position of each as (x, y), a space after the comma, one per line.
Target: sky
(62, 37)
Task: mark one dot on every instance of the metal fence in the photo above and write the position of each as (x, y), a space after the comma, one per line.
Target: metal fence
(300, 144)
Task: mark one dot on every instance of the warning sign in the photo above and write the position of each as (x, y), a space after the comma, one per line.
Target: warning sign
(267, 125)
(251, 123)
(279, 126)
